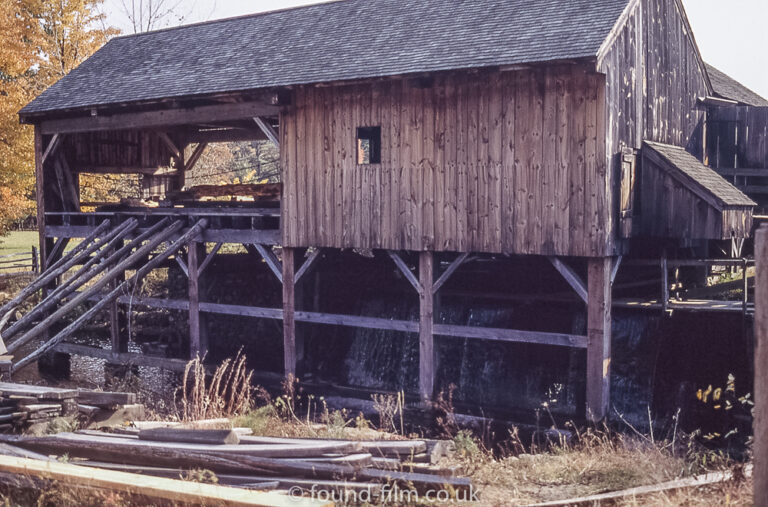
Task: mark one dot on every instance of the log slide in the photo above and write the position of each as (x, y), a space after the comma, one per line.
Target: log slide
(103, 257)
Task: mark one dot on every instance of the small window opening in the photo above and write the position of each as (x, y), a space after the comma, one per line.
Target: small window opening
(368, 145)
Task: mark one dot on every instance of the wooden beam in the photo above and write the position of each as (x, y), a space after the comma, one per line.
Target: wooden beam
(308, 264)
(573, 279)
(72, 186)
(182, 265)
(40, 194)
(52, 145)
(599, 338)
(195, 157)
(198, 340)
(268, 130)
(272, 261)
(172, 490)
(125, 358)
(664, 283)
(635, 494)
(403, 326)
(116, 316)
(406, 271)
(58, 249)
(761, 366)
(224, 135)
(175, 151)
(289, 324)
(615, 269)
(512, 335)
(152, 171)
(209, 258)
(426, 324)
(457, 262)
(168, 117)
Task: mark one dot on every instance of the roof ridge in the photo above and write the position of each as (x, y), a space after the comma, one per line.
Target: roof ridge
(223, 20)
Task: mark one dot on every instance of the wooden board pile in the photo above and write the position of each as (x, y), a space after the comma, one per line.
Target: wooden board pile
(262, 463)
(22, 405)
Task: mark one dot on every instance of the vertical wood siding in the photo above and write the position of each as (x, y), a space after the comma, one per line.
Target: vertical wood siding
(509, 162)
(653, 80)
(122, 149)
(672, 210)
(737, 136)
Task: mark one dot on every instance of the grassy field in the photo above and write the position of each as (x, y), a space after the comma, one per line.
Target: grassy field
(18, 241)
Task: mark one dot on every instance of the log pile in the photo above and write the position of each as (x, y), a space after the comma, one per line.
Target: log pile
(257, 191)
(253, 462)
(23, 405)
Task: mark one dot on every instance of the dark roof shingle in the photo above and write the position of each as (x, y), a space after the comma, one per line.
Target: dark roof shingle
(728, 88)
(703, 175)
(342, 40)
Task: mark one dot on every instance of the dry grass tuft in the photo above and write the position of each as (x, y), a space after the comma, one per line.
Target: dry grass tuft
(598, 461)
(228, 393)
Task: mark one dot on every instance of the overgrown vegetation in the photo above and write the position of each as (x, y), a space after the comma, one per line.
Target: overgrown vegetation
(226, 393)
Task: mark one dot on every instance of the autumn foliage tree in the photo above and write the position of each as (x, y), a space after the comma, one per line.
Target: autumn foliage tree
(40, 42)
(17, 58)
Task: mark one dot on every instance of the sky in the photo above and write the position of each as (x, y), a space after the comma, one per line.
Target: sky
(731, 34)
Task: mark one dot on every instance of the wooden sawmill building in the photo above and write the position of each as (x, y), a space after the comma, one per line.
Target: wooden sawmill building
(428, 132)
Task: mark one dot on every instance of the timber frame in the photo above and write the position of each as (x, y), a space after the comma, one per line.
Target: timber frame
(552, 159)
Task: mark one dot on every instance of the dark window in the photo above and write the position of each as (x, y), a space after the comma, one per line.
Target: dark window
(368, 145)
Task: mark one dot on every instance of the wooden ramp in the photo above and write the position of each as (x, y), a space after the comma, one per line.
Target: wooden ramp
(100, 264)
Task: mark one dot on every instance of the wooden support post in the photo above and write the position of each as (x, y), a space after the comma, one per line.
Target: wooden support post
(761, 369)
(198, 338)
(745, 288)
(289, 308)
(598, 338)
(35, 259)
(664, 283)
(426, 327)
(116, 316)
(40, 194)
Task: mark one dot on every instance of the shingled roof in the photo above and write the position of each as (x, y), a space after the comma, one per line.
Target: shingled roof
(728, 88)
(342, 40)
(704, 176)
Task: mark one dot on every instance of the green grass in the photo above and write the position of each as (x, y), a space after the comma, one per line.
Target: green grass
(18, 241)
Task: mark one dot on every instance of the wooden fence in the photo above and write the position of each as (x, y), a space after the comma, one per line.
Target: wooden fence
(21, 263)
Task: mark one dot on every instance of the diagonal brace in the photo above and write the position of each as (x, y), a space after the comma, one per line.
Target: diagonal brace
(573, 279)
(400, 263)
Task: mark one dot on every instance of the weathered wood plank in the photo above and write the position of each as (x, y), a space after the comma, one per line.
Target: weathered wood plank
(173, 490)
(289, 305)
(201, 114)
(599, 338)
(426, 324)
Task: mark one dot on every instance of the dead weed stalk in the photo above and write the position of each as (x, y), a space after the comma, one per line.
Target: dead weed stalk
(228, 392)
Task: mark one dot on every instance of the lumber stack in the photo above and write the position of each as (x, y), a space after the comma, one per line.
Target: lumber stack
(254, 462)
(22, 405)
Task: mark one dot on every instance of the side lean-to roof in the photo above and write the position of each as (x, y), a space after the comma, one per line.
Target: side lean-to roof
(697, 173)
(342, 40)
(728, 88)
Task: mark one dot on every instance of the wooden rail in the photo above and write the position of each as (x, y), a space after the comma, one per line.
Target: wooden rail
(21, 263)
(666, 302)
(233, 225)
